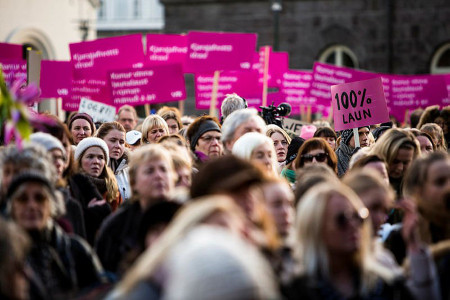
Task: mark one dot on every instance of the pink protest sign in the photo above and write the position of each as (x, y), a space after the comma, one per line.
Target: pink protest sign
(278, 64)
(358, 104)
(92, 89)
(212, 51)
(166, 48)
(294, 89)
(151, 84)
(243, 83)
(93, 59)
(11, 51)
(56, 78)
(446, 101)
(13, 69)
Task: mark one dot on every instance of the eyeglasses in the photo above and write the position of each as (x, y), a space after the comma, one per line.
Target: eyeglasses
(344, 219)
(321, 157)
(209, 139)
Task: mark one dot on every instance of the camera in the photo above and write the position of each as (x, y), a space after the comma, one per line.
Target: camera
(273, 114)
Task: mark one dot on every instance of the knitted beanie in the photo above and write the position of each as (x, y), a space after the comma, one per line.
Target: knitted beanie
(346, 135)
(91, 142)
(29, 176)
(48, 141)
(84, 116)
(206, 126)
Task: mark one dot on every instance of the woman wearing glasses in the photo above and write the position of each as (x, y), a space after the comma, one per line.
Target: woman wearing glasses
(333, 244)
(316, 150)
(204, 136)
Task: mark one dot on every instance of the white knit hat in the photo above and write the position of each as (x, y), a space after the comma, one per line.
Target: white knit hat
(91, 142)
(48, 141)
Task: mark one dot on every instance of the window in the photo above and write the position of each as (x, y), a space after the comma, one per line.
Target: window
(340, 56)
(441, 60)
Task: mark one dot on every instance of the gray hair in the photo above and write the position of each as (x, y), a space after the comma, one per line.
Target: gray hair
(237, 118)
(231, 103)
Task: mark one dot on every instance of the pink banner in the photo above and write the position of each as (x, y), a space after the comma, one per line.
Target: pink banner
(212, 51)
(447, 83)
(151, 84)
(56, 78)
(278, 64)
(93, 59)
(11, 51)
(243, 83)
(13, 69)
(358, 104)
(167, 48)
(294, 88)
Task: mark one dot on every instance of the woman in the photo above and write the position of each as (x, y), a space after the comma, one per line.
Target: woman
(152, 179)
(153, 128)
(81, 126)
(281, 141)
(172, 117)
(316, 150)
(425, 141)
(113, 133)
(334, 250)
(257, 148)
(378, 197)
(204, 135)
(398, 148)
(63, 265)
(327, 134)
(436, 132)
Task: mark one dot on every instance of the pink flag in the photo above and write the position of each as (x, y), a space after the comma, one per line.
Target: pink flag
(212, 51)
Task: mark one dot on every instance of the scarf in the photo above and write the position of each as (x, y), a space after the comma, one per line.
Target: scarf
(344, 153)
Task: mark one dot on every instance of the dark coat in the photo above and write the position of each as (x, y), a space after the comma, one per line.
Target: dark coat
(118, 235)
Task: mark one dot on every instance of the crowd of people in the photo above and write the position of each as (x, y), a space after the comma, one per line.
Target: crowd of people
(182, 207)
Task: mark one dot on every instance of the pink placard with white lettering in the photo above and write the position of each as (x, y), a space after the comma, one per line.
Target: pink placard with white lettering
(151, 84)
(294, 88)
(447, 83)
(359, 103)
(278, 64)
(243, 83)
(93, 89)
(13, 69)
(11, 51)
(167, 48)
(213, 51)
(56, 78)
(93, 59)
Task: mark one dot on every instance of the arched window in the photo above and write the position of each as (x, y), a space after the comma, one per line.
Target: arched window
(339, 55)
(441, 60)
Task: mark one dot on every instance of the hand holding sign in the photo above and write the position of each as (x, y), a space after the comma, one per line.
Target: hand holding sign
(359, 104)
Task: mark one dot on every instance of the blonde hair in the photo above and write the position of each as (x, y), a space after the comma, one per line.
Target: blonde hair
(272, 128)
(143, 154)
(436, 133)
(311, 247)
(153, 121)
(173, 113)
(188, 218)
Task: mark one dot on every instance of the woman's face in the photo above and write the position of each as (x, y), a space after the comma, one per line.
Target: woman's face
(263, 155)
(154, 179)
(115, 140)
(210, 144)
(280, 204)
(401, 163)
(281, 146)
(331, 141)
(436, 189)
(173, 126)
(80, 129)
(342, 227)
(425, 144)
(31, 208)
(93, 161)
(377, 202)
(59, 161)
(316, 156)
(380, 167)
(154, 134)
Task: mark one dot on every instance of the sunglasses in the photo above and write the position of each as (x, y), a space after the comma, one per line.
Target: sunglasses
(344, 219)
(321, 157)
